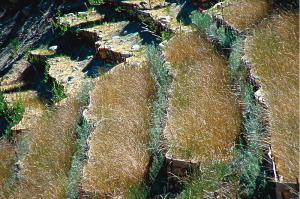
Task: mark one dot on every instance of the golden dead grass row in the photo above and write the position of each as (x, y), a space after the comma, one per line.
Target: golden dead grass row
(244, 14)
(7, 159)
(7, 148)
(118, 157)
(274, 51)
(47, 160)
(204, 118)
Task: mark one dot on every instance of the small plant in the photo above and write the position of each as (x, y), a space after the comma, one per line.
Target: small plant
(168, 9)
(132, 13)
(11, 114)
(118, 9)
(61, 28)
(95, 2)
(152, 26)
(204, 184)
(204, 23)
(27, 52)
(14, 45)
(57, 92)
(90, 10)
(142, 18)
(138, 191)
(226, 39)
(166, 35)
(77, 31)
(46, 73)
(33, 59)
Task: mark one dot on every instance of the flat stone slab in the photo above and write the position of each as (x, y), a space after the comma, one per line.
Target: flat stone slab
(68, 73)
(114, 45)
(74, 19)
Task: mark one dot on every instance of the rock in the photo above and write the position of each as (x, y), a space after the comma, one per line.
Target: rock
(164, 18)
(115, 37)
(53, 47)
(256, 77)
(124, 33)
(143, 4)
(75, 68)
(165, 21)
(161, 46)
(18, 166)
(71, 77)
(69, 22)
(136, 64)
(70, 14)
(82, 13)
(26, 11)
(125, 55)
(219, 5)
(135, 47)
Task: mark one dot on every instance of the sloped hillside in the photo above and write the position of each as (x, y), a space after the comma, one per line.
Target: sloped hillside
(149, 99)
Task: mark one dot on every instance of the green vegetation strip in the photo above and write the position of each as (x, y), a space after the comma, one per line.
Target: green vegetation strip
(246, 166)
(160, 76)
(83, 131)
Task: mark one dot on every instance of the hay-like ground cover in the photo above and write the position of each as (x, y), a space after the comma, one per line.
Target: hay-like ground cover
(47, 159)
(121, 103)
(7, 159)
(204, 119)
(244, 14)
(274, 52)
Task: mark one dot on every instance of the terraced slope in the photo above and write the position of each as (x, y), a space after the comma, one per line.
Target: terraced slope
(122, 145)
(204, 119)
(120, 106)
(273, 50)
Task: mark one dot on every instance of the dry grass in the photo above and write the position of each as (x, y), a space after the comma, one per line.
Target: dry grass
(31, 100)
(204, 118)
(273, 50)
(121, 102)
(47, 160)
(7, 159)
(245, 13)
(42, 51)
